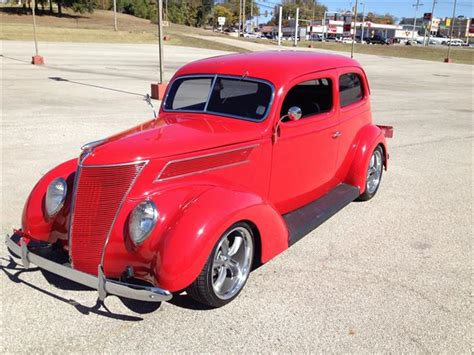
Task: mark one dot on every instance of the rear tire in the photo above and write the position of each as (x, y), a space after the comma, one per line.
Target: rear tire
(374, 175)
(226, 271)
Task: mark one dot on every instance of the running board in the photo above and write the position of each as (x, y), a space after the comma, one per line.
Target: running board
(302, 221)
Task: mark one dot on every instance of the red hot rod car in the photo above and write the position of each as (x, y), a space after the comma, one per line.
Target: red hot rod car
(250, 153)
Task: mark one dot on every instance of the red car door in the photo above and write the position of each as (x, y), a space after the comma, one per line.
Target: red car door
(305, 153)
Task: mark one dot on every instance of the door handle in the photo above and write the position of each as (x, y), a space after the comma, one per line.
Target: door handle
(336, 134)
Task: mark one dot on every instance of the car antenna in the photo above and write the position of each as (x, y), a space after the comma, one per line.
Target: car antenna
(244, 75)
(147, 98)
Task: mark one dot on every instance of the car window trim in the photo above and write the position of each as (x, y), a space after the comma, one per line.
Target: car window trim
(215, 77)
(362, 85)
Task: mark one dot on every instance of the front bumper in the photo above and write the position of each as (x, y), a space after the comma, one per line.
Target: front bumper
(104, 286)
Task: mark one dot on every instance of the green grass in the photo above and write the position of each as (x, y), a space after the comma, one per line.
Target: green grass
(98, 27)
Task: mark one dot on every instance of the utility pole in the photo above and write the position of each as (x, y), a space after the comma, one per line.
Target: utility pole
(324, 27)
(355, 29)
(448, 60)
(432, 18)
(279, 26)
(115, 15)
(362, 26)
(296, 26)
(417, 5)
(243, 16)
(36, 59)
(158, 90)
(34, 27)
(251, 16)
(240, 17)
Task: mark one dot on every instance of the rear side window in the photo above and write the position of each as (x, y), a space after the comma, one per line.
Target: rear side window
(189, 94)
(350, 89)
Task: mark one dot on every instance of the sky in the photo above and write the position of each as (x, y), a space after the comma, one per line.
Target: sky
(400, 8)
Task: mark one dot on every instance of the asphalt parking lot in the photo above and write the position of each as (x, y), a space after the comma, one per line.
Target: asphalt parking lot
(393, 274)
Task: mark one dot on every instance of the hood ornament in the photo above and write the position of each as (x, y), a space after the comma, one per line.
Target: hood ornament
(88, 148)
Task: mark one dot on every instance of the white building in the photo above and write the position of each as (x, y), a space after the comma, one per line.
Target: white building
(370, 29)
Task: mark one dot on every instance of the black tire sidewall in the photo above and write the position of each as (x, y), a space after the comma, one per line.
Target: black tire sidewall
(217, 301)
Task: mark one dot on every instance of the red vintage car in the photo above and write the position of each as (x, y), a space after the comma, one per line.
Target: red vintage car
(249, 153)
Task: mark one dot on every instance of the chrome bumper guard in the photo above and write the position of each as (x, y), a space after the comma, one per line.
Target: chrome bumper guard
(104, 286)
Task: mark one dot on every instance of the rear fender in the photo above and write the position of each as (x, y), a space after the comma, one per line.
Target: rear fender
(368, 139)
(185, 247)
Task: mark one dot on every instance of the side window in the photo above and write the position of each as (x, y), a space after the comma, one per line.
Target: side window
(312, 97)
(350, 89)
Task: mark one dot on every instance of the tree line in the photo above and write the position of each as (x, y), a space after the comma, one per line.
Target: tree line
(199, 13)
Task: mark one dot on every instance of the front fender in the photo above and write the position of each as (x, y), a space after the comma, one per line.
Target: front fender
(185, 246)
(33, 221)
(368, 139)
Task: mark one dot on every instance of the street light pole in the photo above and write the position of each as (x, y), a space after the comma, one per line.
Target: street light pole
(432, 18)
(417, 5)
(355, 30)
(448, 60)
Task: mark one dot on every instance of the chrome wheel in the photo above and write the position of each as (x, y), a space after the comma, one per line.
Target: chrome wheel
(232, 262)
(374, 172)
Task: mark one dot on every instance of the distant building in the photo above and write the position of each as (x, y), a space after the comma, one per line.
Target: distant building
(460, 27)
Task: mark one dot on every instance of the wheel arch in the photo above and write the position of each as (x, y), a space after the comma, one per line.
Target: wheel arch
(370, 137)
(184, 247)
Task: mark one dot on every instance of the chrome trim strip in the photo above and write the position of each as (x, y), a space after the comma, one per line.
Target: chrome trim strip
(104, 286)
(210, 92)
(204, 156)
(114, 165)
(73, 205)
(119, 208)
(204, 171)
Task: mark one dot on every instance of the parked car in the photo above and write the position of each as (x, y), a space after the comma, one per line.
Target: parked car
(455, 42)
(377, 40)
(242, 161)
(252, 35)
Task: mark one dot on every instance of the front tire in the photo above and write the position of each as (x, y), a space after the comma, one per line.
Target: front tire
(374, 174)
(227, 269)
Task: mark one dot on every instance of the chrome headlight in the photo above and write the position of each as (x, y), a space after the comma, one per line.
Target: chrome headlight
(142, 221)
(55, 196)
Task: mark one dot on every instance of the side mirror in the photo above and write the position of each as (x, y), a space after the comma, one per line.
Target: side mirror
(294, 113)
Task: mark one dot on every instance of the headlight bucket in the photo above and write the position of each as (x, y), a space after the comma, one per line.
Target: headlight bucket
(55, 197)
(142, 221)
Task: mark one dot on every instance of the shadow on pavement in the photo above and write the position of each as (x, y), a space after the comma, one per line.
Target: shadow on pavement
(57, 78)
(13, 271)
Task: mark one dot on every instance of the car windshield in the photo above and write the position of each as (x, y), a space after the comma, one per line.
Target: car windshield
(243, 98)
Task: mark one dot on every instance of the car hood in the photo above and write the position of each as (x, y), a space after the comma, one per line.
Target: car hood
(173, 135)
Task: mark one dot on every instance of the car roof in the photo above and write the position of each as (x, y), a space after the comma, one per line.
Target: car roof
(277, 67)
